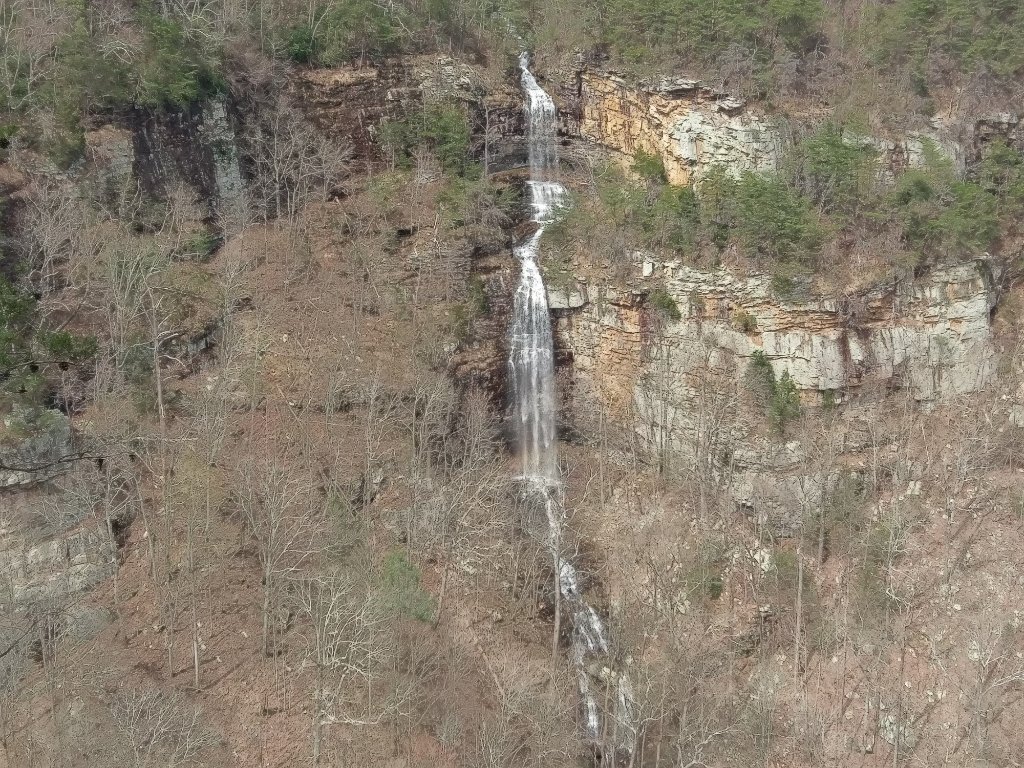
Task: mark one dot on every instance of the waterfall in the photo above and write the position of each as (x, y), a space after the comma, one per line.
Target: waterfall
(531, 365)
(532, 352)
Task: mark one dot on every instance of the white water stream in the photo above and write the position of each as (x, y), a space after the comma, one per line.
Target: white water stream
(531, 365)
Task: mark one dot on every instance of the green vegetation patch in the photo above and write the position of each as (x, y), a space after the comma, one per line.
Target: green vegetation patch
(947, 35)
(773, 220)
(355, 29)
(778, 397)
(662, 301)
(402, 590)
(441, 129)
(29, 352)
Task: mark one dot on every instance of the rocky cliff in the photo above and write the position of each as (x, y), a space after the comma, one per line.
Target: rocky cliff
(679, 384)
(930, 336)
(694, 128)
(688, 125)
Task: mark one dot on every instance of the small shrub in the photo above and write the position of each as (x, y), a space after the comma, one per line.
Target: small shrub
(785, 403)
(7, 132)
(478, 298)
(778, 397)
(300, 44)
(671, 219)
(662, 301)
(64, 347)
(785, 281)
(649, 167)
(653, 213)
(760, 378)
(745, 322)
(201, 245)
(828, 399)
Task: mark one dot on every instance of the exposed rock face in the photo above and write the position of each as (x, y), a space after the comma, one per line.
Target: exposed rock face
(694, 128)
(227, 171)
(691, 127)
(678, 385)
(931, 336)
(53, 545)
(1007, 127)
(32, 446)
(60, 566)
(350, 102)
(195, 148)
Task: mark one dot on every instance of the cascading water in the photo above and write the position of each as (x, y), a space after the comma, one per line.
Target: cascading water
(532, 358)
(531, 364)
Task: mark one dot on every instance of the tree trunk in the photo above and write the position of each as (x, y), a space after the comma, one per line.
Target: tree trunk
(558, 619)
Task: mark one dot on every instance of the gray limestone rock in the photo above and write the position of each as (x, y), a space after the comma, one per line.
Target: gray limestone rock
(32, 444)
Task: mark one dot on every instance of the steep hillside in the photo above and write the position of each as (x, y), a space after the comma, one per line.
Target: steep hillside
(264, 499)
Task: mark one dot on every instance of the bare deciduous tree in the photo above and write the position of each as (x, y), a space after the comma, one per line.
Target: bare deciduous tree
(282, 517)
(160, 728)
(292, 164)
(346, 645)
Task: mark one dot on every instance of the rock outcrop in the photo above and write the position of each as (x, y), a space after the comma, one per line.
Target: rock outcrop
(931, 336)
(57, 567)
(350, 102)
(34, 445)
(691, 127)
(161, 151)
(694, 128)
(679, 384)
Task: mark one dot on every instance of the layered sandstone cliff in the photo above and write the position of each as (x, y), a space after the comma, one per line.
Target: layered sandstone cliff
(680, 387)
(691, 127)
(694, 128)
(931, 336)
